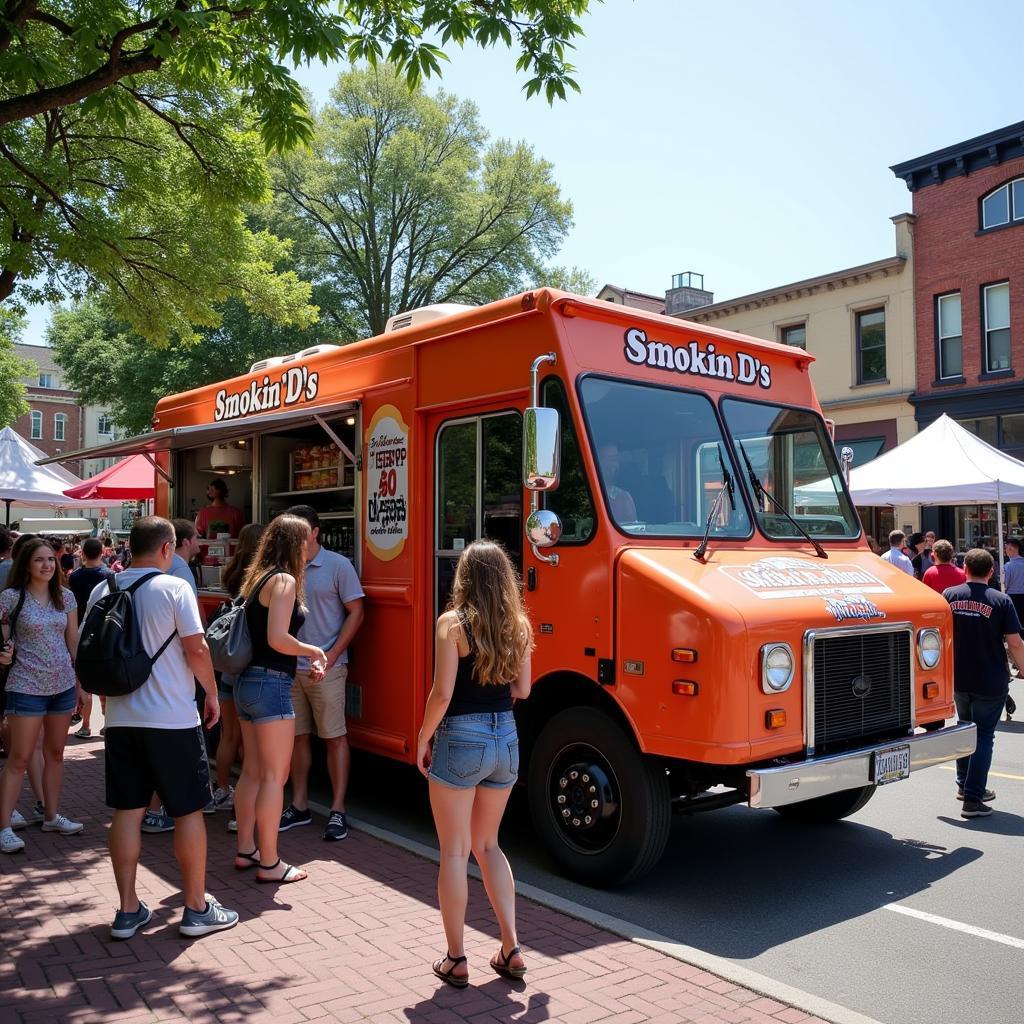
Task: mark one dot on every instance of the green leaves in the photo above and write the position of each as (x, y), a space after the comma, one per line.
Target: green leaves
(401, 202)
(12, 369)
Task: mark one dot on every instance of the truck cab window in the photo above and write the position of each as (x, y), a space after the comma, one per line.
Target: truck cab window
(786, 453)
(662, 460)
(571, 501)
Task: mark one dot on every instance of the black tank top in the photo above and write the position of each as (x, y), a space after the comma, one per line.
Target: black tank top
(263, 655)
(471, 697)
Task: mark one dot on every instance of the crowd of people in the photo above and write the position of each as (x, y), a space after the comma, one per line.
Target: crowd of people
(303, 606)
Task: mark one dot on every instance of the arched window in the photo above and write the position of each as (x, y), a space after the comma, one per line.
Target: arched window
(1003, 205)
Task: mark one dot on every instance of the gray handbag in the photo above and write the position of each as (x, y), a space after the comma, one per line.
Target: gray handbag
(228, 635)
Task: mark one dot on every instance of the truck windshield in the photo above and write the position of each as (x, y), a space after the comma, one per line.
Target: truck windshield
(787, 453)
(661, 460)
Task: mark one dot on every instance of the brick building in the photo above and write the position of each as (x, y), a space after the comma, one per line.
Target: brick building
(969, 303)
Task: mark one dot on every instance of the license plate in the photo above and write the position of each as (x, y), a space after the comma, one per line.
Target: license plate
(891, 764)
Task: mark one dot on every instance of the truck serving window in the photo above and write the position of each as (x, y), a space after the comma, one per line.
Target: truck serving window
(786, 453)
(661, 460)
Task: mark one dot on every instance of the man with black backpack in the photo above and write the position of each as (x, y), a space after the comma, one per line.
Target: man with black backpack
(154, 735)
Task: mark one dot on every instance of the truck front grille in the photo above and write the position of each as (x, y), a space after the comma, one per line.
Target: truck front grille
(862, 685)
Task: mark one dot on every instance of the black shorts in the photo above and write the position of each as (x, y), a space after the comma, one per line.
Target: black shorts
(169, 762)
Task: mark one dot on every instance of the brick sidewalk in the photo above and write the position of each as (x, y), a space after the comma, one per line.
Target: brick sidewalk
(352, 943)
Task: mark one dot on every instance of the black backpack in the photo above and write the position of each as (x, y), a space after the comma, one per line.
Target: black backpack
(112, 660)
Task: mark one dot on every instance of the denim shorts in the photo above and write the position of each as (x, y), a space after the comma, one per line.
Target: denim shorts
(476, 750)
(31, 705)
(263, 695)
(226, 686)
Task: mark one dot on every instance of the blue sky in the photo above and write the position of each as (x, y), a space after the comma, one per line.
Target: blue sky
(750, 142)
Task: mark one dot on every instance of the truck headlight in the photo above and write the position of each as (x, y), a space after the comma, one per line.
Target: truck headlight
(776, 667)
(929, 647)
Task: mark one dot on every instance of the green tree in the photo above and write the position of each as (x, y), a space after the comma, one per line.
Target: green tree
(400, 202)
(12, 369)
(112, 366)
(132, 134)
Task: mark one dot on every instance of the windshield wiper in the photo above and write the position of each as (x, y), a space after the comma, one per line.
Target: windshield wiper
(759, 491)
(716, 505)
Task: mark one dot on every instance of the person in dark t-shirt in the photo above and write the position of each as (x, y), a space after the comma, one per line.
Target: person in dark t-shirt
(983, 618)
(82, 583)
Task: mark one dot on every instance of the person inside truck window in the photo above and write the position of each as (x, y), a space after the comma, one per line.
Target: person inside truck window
(621, 502)
(219, 517)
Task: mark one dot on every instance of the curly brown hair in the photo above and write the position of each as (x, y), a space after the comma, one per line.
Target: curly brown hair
(487, 593)
(280, 547)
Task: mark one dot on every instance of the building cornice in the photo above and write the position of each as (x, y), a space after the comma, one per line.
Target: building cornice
(885, 398)
(798, 289)
(961, 159)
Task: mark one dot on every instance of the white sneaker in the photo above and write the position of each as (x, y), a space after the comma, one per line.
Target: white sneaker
(9, 842)
(18, 819)
(63, 825)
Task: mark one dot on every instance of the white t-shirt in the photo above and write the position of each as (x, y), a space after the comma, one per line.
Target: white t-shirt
(167, 700)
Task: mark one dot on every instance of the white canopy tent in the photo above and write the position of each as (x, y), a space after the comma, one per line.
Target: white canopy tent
(942, 465)
(24, 483)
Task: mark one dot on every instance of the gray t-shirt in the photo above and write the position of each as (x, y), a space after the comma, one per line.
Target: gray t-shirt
(330, 582)
(179, 567)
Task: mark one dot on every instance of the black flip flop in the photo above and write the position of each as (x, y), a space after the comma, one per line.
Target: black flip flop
(253, 859)
(446, 976)
(292, 874)
(503, 967)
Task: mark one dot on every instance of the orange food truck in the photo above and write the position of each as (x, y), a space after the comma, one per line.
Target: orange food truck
(711, 626)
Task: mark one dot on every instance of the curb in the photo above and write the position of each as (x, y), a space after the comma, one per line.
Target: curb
(727, 969)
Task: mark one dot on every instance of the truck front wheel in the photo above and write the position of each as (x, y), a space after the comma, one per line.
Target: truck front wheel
(602, 810)
(823, 809)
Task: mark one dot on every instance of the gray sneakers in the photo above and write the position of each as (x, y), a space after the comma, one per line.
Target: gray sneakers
(126, 925)
(214, 919)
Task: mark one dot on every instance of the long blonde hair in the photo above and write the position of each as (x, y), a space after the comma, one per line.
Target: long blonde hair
(487, 595)
(280, 547)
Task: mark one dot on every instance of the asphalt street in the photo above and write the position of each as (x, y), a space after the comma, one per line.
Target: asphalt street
(904, 912)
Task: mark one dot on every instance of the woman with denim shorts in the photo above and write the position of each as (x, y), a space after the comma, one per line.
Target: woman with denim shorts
(230, 735)
(263, 693)
(42, 692)
(468, 747)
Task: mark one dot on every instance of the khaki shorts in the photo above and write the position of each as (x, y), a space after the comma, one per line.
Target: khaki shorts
(320, 707)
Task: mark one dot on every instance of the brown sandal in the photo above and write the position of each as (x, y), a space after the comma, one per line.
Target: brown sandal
(455, 980)
(501, 964)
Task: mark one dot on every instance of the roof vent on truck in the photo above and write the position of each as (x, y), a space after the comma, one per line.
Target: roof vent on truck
(423, 315)
(306, 353)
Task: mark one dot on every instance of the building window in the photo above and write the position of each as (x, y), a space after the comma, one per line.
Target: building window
(987, 428)
(951, 349)
(997, 327)
(1004, 205)
(37, 426)
(871, 346)
(60, 425)
(46, 380)
(105, 425)
(795, 336)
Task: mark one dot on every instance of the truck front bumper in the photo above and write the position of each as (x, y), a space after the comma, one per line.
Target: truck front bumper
(805, 780)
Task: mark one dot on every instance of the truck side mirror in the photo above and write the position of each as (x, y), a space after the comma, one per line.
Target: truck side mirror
(540, 449)
(846, 460)
(543, 528)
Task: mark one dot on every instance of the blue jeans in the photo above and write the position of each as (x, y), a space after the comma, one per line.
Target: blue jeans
(476, 750)
(31, 705)
(984, 712)
(263, 695)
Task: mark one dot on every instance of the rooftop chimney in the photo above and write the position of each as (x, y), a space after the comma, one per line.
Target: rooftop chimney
(687, 292)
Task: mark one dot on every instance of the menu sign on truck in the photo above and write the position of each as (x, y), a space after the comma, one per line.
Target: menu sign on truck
(387, 483)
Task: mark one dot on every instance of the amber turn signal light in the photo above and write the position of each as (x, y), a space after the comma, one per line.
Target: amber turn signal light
(774, 719)
(686, 655)
(930, 690)
(685, 688)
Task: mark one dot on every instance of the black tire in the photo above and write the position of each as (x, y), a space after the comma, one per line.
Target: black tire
(823, 809)
(631, 823)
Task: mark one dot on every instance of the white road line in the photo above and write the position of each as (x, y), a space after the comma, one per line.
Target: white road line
(957, 926)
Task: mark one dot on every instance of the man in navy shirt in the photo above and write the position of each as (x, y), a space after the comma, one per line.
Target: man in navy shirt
(982, 619)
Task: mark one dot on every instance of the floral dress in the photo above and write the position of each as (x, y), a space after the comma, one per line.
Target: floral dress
(42, 663)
